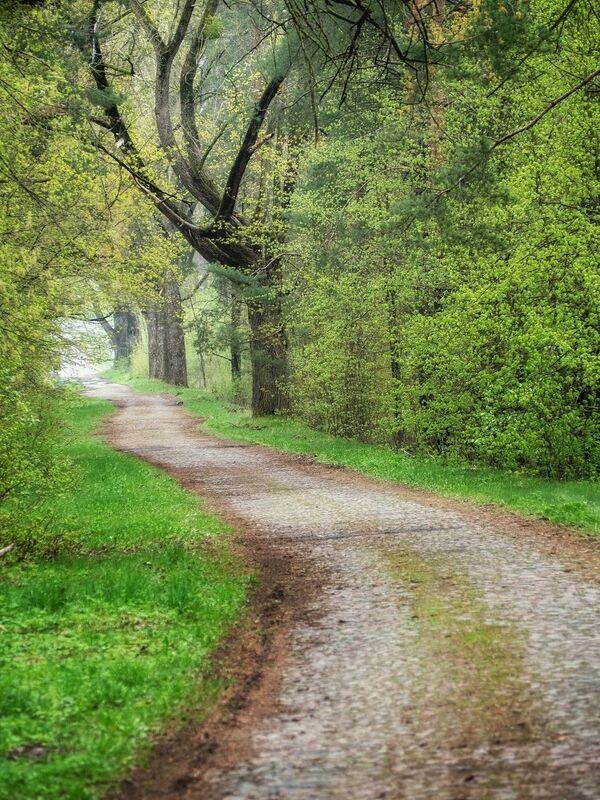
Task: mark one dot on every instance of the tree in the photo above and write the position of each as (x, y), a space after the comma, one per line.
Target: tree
(122, 333)
(227, 237)
(470, 225)
(166, 343)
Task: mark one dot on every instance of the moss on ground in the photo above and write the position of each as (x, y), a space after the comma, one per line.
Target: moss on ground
(483, 688)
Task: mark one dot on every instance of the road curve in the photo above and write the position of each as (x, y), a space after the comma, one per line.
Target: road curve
(440, 660)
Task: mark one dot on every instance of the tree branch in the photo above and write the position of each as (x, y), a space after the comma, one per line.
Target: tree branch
(588, 79)
(106, 327)
(557, 22)
(182, 27)
(213, 243)
(98, 70)
(149, 27)
(199, 185)
(196, 287)
(186, 89)
(509, 136)
(116, 125)
(98, 318)
(248, 145)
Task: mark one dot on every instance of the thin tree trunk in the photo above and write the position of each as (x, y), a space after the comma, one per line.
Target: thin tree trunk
(125, 335)
(235, 349)
(395, 363)
(202, 368)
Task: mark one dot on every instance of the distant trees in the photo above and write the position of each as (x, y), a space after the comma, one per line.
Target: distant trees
(166, 342)
(122, 332)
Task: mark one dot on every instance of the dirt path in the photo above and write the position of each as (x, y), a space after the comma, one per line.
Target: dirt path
(426, 654)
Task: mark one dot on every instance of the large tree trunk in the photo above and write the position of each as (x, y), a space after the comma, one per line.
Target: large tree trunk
(166, 342)
(124, 336)
(268, 349)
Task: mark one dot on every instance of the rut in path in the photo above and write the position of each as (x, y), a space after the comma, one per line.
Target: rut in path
(441, 660)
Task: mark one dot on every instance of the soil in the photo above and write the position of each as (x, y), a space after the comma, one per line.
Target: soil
(398, 644)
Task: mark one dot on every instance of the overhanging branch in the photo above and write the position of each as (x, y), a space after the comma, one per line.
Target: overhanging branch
(512, 134)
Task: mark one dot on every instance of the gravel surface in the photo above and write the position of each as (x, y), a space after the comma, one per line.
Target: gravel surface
(442, 660)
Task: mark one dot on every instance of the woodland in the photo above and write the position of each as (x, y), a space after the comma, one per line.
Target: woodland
(377, 217)
(363, 232)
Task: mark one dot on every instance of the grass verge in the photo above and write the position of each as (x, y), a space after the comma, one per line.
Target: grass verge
(100, 648)
(573, 503)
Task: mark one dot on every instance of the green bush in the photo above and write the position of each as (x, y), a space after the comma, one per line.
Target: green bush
(33, 466)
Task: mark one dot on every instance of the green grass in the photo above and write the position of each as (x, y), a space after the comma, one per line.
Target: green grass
(574, 503)
(99, 649)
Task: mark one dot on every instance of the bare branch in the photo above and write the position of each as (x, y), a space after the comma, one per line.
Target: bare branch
(557, 23)
(261, 142)
(158, 196)
(509, 136)
(215, 243)
(212, 143)
(588, 79)
(196, 287)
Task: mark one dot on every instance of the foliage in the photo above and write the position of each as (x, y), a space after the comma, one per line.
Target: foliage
(454, 288)
(432, 270)
(32, 467)
(421, 234)
(99, 648)
(340, 331)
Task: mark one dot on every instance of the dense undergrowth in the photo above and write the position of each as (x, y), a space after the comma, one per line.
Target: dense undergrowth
(104, 643)
(575, 502)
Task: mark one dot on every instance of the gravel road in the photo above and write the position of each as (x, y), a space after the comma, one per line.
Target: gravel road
(440, 660)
